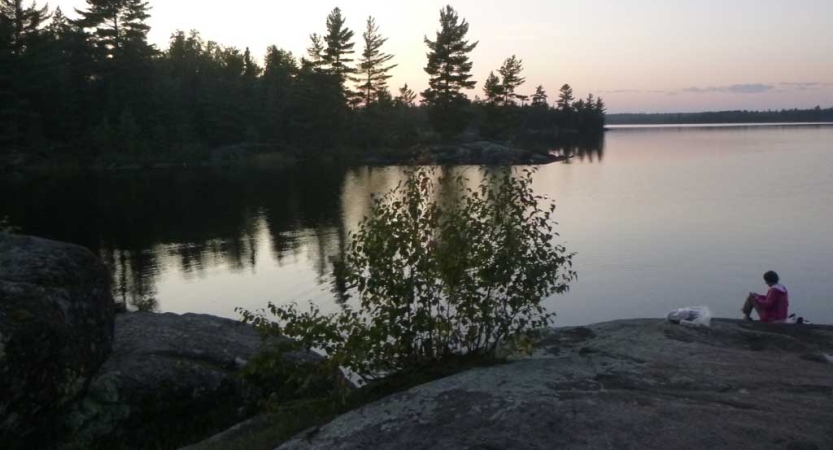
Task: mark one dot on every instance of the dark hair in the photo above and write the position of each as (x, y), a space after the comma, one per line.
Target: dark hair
(771, 277)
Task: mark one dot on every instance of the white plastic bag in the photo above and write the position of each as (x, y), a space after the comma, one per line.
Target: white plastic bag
(693, 316)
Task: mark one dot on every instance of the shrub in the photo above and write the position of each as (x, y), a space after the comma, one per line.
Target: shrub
(436, 271)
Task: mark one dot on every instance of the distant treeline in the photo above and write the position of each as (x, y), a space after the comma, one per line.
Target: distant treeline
(816, 114)
(93, 87)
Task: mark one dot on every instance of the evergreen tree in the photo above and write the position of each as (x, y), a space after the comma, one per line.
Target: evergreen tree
(510, 73)
(565, 98)
(493, 90)
(373, 67)
(406, 97)
(602, 109)
(120, 27)
(449, 71)
(339, 46)
(250, 68)
(24, 23)
(316, 50)
(539, 99)
(278, 83)
(24, 71)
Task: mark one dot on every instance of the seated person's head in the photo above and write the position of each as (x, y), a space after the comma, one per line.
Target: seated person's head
(771, 278)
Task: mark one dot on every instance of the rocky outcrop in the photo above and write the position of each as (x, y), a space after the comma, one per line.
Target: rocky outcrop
(56, 329)
(169, 377)
(641, 384)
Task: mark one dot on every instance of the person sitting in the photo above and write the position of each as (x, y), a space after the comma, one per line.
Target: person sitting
(771, 307)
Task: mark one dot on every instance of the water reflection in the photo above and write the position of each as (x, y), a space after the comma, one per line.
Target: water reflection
(589, 149)
(660, 218)
(195, 225)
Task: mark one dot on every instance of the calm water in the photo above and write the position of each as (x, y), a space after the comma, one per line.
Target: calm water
(660, 218)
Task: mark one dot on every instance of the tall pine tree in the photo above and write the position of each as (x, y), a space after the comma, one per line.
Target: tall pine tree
(119, 27)
(449, 71)
(510, 74)
(373, 66)
(339, 46)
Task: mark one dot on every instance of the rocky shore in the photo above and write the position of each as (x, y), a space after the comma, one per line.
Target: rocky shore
(634, 384)
(74, 375)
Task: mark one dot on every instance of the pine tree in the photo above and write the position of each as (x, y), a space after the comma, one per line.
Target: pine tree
(24, 22)
(250, 68)
(493, 90)
(539, 99)
(120, 27)
(565, 98)
(280, 64)
(510, 73)
(449, 71)
(316, 50)
(373, 67)
(24, 69)
(602, 109)
(406, 97)
(339, 46)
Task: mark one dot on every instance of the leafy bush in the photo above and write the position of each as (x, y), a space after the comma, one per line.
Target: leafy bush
(436, 271)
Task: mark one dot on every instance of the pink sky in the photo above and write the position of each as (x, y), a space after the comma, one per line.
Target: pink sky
(640, 55)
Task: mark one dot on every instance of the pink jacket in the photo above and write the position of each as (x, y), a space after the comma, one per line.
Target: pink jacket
(773, 306)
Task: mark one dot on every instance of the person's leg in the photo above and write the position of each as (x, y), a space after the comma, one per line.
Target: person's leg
(748, 307)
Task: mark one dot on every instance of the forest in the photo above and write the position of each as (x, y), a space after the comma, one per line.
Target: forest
(92, 88)
(816, 114)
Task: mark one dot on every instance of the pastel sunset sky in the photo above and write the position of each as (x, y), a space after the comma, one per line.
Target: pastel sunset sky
(640, 55)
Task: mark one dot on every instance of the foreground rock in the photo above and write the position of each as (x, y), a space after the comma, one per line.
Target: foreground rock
(170, 378)
(56, 329)
(623, 385)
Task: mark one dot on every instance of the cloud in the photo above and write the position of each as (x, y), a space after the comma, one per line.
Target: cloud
(622, 91)
(804, 86)
(754, 88)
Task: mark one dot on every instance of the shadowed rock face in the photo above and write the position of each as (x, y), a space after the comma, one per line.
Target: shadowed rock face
(56, 329)
(169, 377)
(640, 384)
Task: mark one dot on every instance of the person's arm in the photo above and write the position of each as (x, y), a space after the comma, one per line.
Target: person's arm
(767, 301)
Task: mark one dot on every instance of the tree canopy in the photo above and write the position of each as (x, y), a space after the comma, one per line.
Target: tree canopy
(93, 89)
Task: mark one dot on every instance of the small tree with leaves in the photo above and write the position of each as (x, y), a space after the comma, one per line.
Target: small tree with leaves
(449, 71)
(436, 275)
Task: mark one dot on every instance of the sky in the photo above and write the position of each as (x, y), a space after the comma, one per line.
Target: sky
(639, 55)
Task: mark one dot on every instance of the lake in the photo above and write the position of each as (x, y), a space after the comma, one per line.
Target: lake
(660, 217)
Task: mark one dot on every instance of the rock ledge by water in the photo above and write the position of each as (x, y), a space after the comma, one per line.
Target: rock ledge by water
(636, 384)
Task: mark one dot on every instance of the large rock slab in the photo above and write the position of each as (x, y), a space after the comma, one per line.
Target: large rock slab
(170, 378)
(642, 384)
(56, 329)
